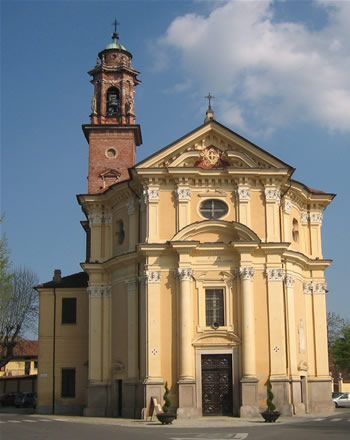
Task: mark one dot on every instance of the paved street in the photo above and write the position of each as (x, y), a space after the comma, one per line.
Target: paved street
(15, 425)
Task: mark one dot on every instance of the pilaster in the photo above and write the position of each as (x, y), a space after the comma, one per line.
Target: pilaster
(153, 364)
(151, 199)
(183, 197)
(133, 328)
(132, 225)
(95, 223)
(286, 220)
(315, 231)
(243, 198)
(272, 199)
(298, 405)
(275, 277)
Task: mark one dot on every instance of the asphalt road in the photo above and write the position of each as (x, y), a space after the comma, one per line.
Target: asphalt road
(26, 426)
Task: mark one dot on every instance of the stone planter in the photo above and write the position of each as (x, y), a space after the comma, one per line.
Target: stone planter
(270, 416)
(166, 418)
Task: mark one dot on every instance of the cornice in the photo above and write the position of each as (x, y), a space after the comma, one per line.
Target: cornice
(306, 262)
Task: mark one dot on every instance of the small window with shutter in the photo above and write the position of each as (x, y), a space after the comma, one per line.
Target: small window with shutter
(214, 307)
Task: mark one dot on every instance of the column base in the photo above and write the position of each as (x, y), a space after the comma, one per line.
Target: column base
(320, 400)
(98, 397)
(187, 400)
(249, 407)
(281, 392)
(152, 389)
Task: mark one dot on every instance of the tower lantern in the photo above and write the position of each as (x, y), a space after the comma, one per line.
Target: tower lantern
(112, 133)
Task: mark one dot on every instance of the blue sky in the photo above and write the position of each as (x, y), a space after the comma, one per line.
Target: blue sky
(278, 71)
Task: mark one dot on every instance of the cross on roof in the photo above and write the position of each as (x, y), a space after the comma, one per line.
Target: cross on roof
(209, 98)
(115, 24)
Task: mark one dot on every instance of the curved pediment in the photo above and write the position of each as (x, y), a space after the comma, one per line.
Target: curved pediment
(216, 337)
(216, 231)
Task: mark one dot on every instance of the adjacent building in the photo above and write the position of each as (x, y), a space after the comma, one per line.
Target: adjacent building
(204, 269)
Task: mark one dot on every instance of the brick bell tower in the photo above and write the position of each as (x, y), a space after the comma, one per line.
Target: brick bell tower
(112, 134)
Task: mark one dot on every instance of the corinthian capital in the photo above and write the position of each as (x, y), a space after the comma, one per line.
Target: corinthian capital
(290, 280)
(184, 273)
(315, 288)
(246, 273)
(274, 274)
(99, 291)
(151, 195)
(243, 194)
(316, 217)
(287, 206)
(183, 194)
(273, 195)
(152, 276)
(95, 218)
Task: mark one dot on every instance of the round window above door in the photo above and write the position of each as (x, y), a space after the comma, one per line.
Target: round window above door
(213, 208)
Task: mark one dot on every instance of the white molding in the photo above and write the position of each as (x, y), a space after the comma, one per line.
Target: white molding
(315, 288)
(287, 206)
(243, 194)
(152, 276)
(316, 217)
(274, 274)
(99, 291)
(151, 195)
(183, 194)
(273, 195)
(246, 273)
(184, 273)
(131, 284)
(290, 280)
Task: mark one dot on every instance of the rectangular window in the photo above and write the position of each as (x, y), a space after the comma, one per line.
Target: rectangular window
(68, 382)
(69, 310)
(27, 368)
(214, 307)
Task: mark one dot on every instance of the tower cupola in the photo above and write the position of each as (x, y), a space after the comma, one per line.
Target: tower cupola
(112, 133)
(114, 81)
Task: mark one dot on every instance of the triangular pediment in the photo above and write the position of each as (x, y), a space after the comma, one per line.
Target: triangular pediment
(212, 145)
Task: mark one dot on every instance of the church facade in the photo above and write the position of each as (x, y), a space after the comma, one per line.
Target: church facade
(204, 269)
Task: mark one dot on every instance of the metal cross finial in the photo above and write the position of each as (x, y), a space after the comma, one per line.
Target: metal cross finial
(115, 24)
(209, 98)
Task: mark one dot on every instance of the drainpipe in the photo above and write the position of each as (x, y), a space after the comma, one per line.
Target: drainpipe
(54, 352)
(56, 279)
(283, 283)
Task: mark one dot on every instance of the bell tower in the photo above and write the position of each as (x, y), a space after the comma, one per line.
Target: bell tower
(112, 134)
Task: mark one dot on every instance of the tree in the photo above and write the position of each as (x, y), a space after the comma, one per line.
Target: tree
(341, 350)
(335, 326)
(18, 309)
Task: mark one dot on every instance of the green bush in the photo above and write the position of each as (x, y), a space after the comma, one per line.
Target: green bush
(167, 402)
(270, 405)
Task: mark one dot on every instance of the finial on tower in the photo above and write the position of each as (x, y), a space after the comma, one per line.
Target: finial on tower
(115, 35)
(209, 115)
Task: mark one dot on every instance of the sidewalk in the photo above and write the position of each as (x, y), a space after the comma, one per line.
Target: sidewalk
(196, 422)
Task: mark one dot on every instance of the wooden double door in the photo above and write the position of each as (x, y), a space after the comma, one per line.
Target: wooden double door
(217, 398)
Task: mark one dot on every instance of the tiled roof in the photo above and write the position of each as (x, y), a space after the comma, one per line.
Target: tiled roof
(25, 348)
(79, 279)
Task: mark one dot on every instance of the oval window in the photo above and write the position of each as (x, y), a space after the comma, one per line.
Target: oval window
(213, 208)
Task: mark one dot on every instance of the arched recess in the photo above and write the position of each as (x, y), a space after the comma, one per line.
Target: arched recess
(113, 101)
(216, 231)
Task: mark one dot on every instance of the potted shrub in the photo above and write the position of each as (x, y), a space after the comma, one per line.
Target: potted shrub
(165, 417)
(270, 415)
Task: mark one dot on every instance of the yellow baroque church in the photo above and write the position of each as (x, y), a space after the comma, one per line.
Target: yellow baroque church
(204, 269)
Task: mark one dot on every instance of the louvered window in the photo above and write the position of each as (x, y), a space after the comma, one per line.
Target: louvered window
(214, 307)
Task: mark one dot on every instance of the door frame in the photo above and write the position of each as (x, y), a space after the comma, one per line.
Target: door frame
(235, 374)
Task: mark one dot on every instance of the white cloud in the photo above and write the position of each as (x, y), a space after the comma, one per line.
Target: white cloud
(263, 70)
